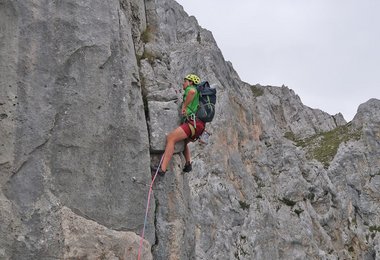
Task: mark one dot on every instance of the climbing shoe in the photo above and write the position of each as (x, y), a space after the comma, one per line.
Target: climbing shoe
(187, 167)
(160, 172)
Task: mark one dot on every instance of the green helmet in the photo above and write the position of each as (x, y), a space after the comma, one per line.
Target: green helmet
(194, 78)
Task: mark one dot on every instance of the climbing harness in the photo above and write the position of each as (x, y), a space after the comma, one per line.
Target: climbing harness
(192, 129)
(192, 117)
(192, 123)
(147, 207)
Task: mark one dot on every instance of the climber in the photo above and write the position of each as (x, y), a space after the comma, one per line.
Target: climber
(190, 129)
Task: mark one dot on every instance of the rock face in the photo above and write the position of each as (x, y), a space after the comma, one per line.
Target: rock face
(85, 239)
(88, 92)
(73, 129)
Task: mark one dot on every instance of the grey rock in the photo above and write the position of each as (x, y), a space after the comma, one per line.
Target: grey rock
(73, 129)
(367, 113)
(163, 119)
(254, 194)
(86, 239)
(81, 84)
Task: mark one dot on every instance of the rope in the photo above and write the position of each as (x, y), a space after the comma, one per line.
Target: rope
(147, 207)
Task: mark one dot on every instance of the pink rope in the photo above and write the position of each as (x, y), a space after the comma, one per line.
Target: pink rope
(147, 207)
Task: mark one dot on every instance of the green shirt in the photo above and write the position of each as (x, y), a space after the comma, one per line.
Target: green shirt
(193, 106)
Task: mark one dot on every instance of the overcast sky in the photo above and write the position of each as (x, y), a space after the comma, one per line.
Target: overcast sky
(327, 51)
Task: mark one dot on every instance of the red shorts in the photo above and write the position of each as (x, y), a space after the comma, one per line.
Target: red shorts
(191, 134)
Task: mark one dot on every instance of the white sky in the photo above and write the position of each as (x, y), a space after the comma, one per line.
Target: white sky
(327, 51)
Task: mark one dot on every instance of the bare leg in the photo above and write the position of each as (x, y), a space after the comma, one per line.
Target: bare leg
(175, 136)
(186, 152)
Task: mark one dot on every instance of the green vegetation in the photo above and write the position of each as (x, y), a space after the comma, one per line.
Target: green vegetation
(199, 39)
(288, 202)
(147, 35)
(259, 182)
(374, 228)
(324, 146)
(291, 136)
(239, 253)
(311, 196)
(257, 90)
(148, 55)
(244, 205)
(298, 211)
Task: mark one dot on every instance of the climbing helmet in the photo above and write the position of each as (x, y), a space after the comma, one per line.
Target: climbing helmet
(194, 78)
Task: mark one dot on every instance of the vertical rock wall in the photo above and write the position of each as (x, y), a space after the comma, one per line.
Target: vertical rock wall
(73, 129)
(81, 81)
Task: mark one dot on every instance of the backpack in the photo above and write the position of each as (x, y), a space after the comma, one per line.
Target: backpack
(207, 100)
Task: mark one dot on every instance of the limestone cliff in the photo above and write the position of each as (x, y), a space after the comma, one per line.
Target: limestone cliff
(89, 89)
